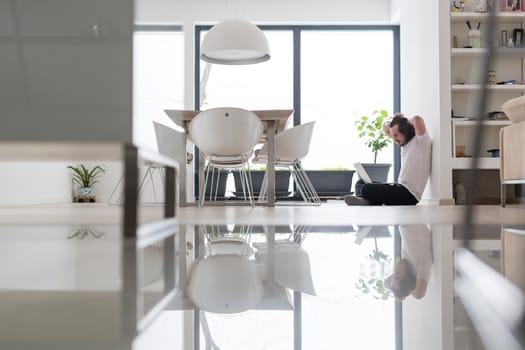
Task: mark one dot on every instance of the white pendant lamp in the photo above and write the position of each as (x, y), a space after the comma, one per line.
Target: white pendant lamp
(235, 42)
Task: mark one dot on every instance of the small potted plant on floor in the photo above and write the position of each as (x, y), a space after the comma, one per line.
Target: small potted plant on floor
(371, 129)
(85, 179)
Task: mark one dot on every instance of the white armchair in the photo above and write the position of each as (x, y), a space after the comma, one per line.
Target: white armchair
(512, 146)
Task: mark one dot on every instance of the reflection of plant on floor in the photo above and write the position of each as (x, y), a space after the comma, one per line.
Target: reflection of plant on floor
(84, 232)
(378, 255)
(373, 285)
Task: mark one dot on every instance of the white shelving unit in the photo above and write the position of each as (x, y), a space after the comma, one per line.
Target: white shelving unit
(467, 82)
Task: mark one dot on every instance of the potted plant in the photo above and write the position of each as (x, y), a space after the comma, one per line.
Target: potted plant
(331, 182)
(86, 179)
(220, 178)
(282, 181)
(371, 129)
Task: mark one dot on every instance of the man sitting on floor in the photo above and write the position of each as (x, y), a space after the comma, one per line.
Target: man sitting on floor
(416, 155)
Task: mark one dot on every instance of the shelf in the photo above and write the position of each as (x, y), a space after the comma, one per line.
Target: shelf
(479, 52)
(467, 52)
(478, 87)
(502, 17)
(498, 123)
(483, 163)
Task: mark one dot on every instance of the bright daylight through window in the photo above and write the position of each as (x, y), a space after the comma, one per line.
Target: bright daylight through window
(344, 74)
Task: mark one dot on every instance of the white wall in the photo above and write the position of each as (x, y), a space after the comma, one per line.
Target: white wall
(41, 182)
(285, 11)
(425, 80)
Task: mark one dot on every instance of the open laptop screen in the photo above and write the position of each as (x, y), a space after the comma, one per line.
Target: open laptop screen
(362, 173)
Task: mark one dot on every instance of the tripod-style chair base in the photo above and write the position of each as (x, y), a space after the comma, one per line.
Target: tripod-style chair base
(291, 146)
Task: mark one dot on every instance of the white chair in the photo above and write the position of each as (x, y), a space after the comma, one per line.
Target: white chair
(169, 142)
(226, 136)
(291, 146)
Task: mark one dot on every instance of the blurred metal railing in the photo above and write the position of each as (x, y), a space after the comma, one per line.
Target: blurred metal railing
(495, 306)
(137, 236)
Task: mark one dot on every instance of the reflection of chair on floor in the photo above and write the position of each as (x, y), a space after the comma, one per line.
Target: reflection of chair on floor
(226, 280)
(168, 143)
(226, 137)
(291, 146)
(222, 240)
(292, 263)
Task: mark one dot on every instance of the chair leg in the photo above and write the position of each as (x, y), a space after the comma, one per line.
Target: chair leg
(211, 184)
(118, 201)
(141, 187)
(250, 186)
(202, 190)
(246, 186)
(153, 184)
(242, 175)
(307, 187)
(264, 188)
(299, 185)
(217, 183)
(141, 184)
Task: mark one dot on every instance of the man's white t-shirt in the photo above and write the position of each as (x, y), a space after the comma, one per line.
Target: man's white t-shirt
(416, 158)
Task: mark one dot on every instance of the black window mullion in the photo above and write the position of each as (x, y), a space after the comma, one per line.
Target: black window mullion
(297, 76)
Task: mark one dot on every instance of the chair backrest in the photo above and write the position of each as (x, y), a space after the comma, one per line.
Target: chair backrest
(292, 144)
(225, 131)
(170, 142)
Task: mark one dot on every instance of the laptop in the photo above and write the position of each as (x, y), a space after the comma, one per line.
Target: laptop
(362, 173)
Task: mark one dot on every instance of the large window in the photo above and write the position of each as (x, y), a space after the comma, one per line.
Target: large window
(330, 74)
(344, 74)
(158, 78)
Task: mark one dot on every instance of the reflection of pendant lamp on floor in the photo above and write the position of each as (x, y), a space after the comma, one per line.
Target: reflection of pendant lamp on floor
(235, 42)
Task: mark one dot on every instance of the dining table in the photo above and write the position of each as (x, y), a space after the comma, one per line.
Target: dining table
(274, 120)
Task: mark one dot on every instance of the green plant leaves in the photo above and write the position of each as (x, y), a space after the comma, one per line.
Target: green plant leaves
(375, 287)
(372, 130)
(85, 177)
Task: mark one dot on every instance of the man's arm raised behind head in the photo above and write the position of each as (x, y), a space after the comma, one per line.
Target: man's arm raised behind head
(419, 125)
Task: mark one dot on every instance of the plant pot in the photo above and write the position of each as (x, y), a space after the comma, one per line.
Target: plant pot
(335, 183)
(282, 181)
(85, 195)
(378, 172)
(221, 188)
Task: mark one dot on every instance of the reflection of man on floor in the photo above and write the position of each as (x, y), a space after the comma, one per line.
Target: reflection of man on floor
(412, 273)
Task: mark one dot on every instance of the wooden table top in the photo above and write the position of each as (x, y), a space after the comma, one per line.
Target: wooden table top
(183, 117)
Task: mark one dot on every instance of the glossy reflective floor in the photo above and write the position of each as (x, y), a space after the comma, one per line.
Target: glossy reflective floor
(243, 286)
